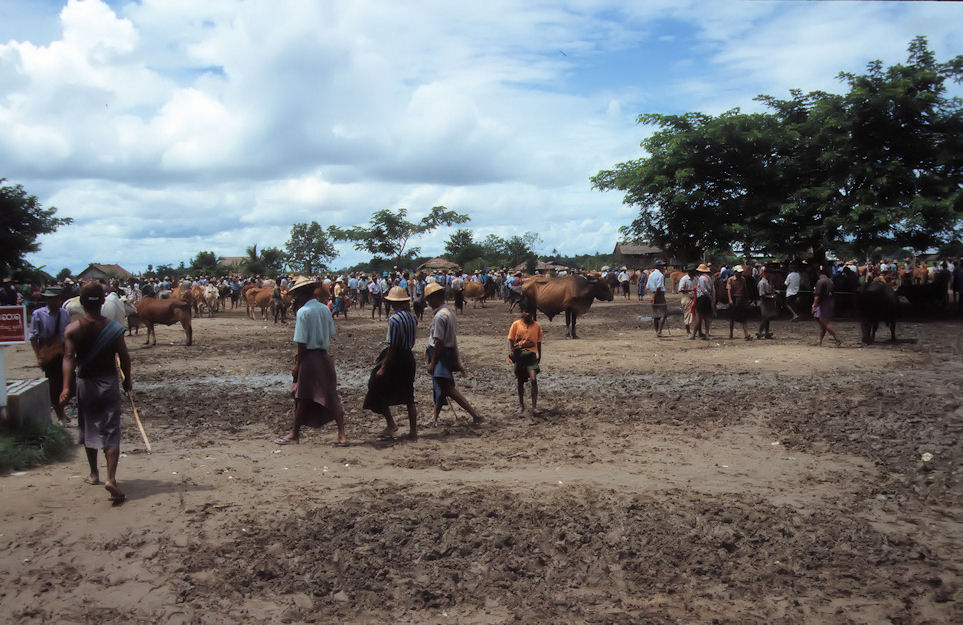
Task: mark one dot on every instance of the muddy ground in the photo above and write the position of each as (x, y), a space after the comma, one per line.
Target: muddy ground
(665, 481)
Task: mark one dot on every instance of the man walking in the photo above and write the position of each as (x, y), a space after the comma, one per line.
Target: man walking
(824, 305)
(443, 356)
(315, 386)
(93, 344)
(47, 326)
(392, 380)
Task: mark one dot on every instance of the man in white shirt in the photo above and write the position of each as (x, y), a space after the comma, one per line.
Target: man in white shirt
(375, 291)
(793, 280)
(660, 310)
(705, 303)
(315, 386)
(443, 357)
(687, 287)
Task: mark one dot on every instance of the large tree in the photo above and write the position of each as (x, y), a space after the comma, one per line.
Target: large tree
(388, 233)
(462, 248)
(22, 220)
(309, 249)
(819, 171)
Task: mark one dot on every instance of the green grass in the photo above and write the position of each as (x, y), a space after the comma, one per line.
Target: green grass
(34, 445)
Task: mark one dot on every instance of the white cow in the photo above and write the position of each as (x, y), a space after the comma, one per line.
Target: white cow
(116, 308)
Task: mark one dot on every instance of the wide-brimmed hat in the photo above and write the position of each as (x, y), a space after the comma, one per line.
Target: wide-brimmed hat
(702, 268)
(52, 291)
(397, 294)
(738, 268)
(433, 288)
(303, 282)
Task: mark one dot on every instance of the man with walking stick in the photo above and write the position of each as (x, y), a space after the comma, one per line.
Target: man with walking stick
(91, 345)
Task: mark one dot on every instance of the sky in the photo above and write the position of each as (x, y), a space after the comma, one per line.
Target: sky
(169, 127)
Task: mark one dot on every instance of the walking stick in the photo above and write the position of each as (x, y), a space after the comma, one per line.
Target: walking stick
(130, 396)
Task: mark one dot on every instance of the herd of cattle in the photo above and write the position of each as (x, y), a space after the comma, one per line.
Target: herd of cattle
(874, 303)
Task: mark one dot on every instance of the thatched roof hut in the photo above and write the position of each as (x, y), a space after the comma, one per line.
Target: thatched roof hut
(438, 263)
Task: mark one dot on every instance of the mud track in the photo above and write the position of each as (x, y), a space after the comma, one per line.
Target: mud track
(665, 481)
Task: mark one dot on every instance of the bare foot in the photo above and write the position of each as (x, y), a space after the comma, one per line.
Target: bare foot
(477, 419)
(92, 479)
(115, 493)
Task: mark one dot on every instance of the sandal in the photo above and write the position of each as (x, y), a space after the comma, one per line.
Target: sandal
(286, 440)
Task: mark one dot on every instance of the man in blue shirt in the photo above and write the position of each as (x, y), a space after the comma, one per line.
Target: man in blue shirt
(315, 386)
(46, 335)
(392, 381)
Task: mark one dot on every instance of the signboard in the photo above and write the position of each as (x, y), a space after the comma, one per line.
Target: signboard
(13, 325)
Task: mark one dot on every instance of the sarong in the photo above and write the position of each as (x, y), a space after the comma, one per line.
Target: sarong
(825, 309)
(739, 310)
(525, 361)
(704, 306)
(686, 300)
(659, 307)
(444, 370)
(54, 372)
(396, 386)
(317, 386)
(98, 411)
(768, 308)
(338, 305)
(459, 299)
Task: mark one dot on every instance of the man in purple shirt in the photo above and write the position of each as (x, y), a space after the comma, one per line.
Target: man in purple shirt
(47, 338)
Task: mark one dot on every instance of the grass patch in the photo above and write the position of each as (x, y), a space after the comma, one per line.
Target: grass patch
(34, 445)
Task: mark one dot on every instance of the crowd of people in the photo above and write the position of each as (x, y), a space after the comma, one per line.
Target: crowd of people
(80, 358)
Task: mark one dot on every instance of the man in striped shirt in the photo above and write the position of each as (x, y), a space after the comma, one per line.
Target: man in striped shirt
(392, 380)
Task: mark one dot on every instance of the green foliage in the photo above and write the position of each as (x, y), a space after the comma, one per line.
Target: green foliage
(205, 264)
(268, 261)
(310, 249)
(492, 251)
(63, 273)
(34, 445)
(883, 162)
(22, 220)
(388, 233)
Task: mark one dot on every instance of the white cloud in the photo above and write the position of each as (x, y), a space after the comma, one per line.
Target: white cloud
(170, 126)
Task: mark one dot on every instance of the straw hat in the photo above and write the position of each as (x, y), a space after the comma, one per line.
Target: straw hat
(432, 288)
(398, 294)
(702, 268)
(301, 283)
(737, 268)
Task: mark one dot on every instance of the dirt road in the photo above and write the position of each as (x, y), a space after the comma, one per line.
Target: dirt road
(666, 481)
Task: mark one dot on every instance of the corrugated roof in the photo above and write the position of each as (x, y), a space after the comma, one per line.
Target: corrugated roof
(636, 249)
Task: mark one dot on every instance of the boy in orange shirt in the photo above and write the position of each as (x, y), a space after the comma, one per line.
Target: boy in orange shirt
(524, 336)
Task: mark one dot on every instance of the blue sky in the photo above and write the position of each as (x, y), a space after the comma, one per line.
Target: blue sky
(167, 127)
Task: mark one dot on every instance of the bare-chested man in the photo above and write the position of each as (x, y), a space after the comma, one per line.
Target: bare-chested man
(92, 344)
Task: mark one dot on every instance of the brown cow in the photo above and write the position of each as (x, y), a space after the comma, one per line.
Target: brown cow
(572, 294)
(260, 298)
(475, 291)
(165, 312)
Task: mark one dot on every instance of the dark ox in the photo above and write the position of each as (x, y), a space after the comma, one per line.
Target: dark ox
(572, 295)
(877, 302)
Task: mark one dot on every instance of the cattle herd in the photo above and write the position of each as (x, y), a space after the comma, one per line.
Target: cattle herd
(875, 293)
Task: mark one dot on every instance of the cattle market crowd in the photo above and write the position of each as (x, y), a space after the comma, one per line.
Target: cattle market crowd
(77, 331)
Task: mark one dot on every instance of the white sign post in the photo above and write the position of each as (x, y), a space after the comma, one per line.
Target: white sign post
(13, 331)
